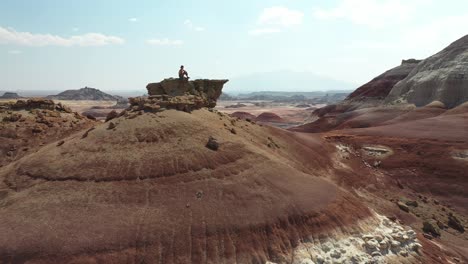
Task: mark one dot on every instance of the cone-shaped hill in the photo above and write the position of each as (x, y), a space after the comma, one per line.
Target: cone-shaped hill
(149, 188)
(173, 187)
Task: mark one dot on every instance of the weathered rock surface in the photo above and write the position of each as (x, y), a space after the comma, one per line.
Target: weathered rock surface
(442, 77)
(380, 242)
(431, 227)
(207, 91)
(180, 95)
(455, 223)
(27, 124)
(35, 103)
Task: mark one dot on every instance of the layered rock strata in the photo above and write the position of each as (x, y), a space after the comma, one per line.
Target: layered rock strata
(178, 94)
(442, 77)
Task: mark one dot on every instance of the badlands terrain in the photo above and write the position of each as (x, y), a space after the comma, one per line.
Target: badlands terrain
(380, 177)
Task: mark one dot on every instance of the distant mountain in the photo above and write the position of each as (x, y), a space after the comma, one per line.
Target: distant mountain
(86, 93)
(277, 95)
(10, 95)
(285, 81)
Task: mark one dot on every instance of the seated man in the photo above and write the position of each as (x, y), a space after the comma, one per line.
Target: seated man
(183, 75)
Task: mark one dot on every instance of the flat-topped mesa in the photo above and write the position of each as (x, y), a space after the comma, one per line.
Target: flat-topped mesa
(179, 94)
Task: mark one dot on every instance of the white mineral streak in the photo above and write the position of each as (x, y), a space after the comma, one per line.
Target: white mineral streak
(385, 242)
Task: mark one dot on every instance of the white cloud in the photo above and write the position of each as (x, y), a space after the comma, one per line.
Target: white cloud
(275, 20)
(263, 31)
(133, 19)
(188, 23)
(419, 41)
(280, 16)
(165, 42)
(372, 13)
(434, 36)
(11, 36)
(15, 52)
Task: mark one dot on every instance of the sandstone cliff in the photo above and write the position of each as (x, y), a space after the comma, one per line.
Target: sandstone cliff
(180, 95)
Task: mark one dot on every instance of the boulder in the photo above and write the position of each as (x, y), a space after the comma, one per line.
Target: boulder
(212, 144)
(430, 226)
(34, 103)
(403, 207)
(412, 203)
(111, 115)
(454, 223)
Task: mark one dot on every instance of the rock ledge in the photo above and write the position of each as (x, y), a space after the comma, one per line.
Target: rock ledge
(178, 94)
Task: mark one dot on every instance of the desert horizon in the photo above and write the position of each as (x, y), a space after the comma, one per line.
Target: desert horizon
(260, 132)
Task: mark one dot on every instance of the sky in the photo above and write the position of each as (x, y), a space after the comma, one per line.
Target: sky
(123, 45)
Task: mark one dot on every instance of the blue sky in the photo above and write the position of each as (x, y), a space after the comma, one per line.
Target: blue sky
(119, 45)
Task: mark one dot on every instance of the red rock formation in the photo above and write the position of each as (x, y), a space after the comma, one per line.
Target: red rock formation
(149, 189)
(442, 77)
(243, 115)
(268, 117)
(379, 87)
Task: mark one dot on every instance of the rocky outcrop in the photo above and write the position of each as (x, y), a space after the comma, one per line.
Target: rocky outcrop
(204, 90)
(385, 241)
(86, 93)
(25, 125)
(180, 95)
(35, 103)
(442, 77)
